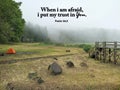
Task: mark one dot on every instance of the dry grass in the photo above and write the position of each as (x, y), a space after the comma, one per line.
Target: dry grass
(96, 76)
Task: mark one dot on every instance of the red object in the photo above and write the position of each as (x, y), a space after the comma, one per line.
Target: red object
(11, 51)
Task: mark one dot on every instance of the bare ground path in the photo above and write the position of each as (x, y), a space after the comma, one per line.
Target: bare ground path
(34, 58)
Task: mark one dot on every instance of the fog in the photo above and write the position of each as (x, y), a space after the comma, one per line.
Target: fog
(101, 24)
(34, 33)
(84, 35)
(38, 33)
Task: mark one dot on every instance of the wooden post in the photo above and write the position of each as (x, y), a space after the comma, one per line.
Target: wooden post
(109, 54)
(115, 52)
(96, 51)
(104, 51)
(100, 52)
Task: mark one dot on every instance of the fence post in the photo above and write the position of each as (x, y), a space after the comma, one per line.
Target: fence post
(96, 51)
(104, 51)
(115, 52)
(109, 54)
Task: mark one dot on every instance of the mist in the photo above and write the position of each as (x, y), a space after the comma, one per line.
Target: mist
(101, 24)
(36, 33)
(84, 35)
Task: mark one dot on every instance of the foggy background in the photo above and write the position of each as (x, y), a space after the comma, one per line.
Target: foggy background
(101, 24)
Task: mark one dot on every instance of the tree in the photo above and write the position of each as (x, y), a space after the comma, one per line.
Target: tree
(11, 21)
(35, 33)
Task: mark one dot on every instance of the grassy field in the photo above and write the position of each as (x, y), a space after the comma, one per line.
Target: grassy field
(92, 76)
(28, 50)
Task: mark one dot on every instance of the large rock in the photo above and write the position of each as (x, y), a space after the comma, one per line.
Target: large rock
(55, 68)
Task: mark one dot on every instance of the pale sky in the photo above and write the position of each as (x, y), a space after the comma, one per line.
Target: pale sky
(100, 13)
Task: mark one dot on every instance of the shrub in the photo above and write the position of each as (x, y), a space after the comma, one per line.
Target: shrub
(85, 47)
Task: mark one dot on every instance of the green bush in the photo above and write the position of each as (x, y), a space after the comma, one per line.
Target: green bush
(86, 47)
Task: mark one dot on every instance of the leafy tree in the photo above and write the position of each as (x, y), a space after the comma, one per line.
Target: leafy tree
(11, 22)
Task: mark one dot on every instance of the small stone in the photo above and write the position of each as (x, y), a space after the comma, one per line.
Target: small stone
(32, 75)
(83, 64)
(40, 80)
(67, 50)
(70, 64)
(10, 86)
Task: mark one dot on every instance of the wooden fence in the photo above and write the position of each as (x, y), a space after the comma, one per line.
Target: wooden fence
(107, 51)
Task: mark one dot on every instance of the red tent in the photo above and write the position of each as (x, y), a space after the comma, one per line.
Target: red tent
(11, 51)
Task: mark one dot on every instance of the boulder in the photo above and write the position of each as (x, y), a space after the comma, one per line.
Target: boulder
(55, 68)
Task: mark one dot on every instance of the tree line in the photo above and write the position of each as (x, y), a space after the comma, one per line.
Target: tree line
(13, 27)
(11, 21)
